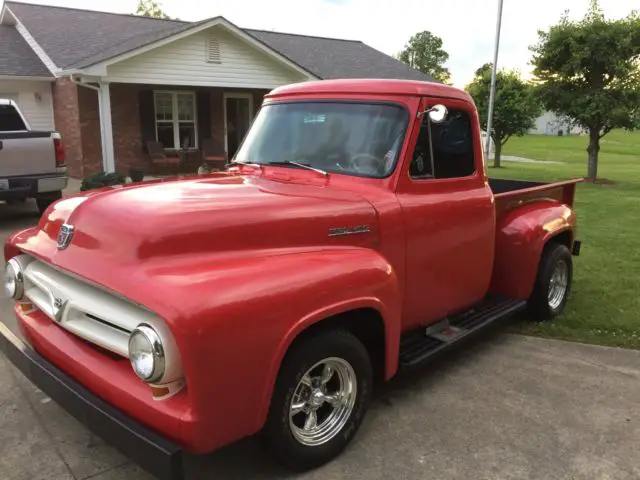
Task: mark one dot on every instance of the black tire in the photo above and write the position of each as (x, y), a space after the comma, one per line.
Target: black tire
(44, 202)
(539, 305)
(304, 355)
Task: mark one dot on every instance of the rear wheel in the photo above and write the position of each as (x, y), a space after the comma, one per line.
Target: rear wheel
(320, 399)
(44, 202)
(553, 282)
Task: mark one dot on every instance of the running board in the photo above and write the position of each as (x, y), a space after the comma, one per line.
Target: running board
(420, 346)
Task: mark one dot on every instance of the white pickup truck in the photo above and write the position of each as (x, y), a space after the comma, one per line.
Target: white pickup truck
(32, 163)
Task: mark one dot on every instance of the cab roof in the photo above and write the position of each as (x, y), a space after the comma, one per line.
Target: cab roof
(371, 86)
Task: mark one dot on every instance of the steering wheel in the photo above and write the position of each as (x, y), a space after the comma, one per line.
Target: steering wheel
(360, 160)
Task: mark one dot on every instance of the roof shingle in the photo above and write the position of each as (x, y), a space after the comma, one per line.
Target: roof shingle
(17, 59)
(80, 38)
(334, 58)
(70, 35)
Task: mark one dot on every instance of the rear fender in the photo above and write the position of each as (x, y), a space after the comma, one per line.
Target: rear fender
(520, 238)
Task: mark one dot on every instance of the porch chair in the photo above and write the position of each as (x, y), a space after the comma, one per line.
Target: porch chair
(213, 157)
(160, 159)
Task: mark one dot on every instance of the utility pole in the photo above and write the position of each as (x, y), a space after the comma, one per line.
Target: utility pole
(492, 94)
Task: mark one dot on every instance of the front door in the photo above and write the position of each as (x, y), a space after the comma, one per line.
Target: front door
(449, 216)
(238, 108)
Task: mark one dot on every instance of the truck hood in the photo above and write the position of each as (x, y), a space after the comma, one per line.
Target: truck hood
(131, 225)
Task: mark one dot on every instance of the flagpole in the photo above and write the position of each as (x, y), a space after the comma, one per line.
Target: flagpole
(492, 92)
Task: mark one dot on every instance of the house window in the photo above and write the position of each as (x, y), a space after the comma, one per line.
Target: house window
(176, 119)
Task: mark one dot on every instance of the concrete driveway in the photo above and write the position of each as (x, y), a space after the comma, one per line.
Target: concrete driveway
(507, 407)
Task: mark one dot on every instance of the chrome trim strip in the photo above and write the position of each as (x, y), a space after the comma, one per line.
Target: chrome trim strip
(341, 231)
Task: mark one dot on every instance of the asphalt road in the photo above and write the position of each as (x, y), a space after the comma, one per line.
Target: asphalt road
(507, 407)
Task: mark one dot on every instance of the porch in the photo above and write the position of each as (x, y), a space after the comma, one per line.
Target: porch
(208, 120)
(199, 84)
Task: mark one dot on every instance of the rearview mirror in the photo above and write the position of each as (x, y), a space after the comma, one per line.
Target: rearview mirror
(437, 113)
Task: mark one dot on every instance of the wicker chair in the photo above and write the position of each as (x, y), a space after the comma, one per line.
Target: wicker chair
(160, 160)
(213, 157)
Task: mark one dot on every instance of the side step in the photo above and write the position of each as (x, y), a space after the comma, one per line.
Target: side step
(420, 346)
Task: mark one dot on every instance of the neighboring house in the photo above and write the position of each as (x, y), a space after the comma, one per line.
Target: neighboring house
(114, 82)
(550, 123)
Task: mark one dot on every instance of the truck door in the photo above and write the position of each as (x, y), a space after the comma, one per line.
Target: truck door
(449, 215)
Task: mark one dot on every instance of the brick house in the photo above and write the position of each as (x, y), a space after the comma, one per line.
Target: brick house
(111, 83)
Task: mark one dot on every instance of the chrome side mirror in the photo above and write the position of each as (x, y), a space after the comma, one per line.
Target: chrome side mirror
(437, 113)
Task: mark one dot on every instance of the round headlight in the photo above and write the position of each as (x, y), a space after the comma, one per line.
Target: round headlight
(13, 283)
(146, 353)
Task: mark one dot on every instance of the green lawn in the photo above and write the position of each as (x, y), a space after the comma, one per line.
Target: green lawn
(605, 305)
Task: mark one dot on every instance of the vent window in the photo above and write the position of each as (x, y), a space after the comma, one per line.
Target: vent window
(213, 50)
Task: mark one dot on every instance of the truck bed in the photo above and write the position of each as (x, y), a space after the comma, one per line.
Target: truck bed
(23, 152)
(511, 193)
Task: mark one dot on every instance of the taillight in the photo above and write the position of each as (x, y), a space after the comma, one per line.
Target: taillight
(58, 146)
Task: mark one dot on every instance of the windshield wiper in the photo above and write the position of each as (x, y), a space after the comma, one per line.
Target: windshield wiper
(301, 165)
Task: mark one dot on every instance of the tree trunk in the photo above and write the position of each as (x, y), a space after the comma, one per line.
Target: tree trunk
(593, 149)
(496, 159)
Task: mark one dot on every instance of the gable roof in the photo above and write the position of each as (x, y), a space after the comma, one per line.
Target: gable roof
(75, 38)
(17, 59)
(134, 43)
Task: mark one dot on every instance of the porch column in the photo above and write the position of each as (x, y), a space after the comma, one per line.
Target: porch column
(106, 128)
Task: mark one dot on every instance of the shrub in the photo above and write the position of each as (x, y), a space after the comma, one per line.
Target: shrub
(102, 179)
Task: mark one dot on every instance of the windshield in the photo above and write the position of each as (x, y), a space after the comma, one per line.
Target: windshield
(351, 138)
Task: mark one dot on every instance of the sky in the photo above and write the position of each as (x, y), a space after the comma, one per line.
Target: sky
(467, 27)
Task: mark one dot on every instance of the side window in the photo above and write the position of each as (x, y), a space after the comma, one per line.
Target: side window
(452, 144)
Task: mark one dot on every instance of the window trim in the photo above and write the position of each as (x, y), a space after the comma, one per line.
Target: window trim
(474, 174)
(175, 120)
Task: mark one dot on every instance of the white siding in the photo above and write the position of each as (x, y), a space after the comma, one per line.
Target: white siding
(39, 113)
(184, 62)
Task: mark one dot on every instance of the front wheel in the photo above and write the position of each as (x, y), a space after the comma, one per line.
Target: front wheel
(320, 399)
(553, 283)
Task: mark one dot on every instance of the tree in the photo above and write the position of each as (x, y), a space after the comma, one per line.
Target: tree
(515, 108)
(589, 70)
(424, 52)
(151, 8)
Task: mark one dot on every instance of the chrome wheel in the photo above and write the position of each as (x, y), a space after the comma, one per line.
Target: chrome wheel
(323, 401)
(558, 284)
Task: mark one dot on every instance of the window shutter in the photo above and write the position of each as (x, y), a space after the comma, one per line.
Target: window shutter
(213, 50)
(147, 117)
(203, 109)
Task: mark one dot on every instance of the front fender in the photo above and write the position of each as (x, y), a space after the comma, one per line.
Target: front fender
(232, 353)
(520, 238)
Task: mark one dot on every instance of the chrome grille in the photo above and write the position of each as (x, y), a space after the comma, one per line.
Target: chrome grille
(84, 310)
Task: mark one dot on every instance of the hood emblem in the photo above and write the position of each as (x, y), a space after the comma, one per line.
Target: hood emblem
(64, 236)
(58, 308)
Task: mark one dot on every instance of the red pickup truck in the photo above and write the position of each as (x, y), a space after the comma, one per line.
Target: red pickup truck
(355, 233)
